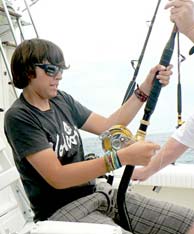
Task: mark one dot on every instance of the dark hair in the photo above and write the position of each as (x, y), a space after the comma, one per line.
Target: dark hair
(30, 52)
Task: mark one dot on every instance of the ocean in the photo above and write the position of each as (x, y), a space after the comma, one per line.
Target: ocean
(93, 145)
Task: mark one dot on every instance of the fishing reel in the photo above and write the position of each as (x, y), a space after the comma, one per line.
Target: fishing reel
(116, 137)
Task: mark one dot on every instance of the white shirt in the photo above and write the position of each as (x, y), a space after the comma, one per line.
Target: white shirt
(185, 133)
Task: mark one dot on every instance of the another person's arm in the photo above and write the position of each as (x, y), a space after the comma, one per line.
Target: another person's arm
(182, 14)
(168, 154)
(181, 140)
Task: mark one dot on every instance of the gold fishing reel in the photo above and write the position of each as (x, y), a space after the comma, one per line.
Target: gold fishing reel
(116, 137)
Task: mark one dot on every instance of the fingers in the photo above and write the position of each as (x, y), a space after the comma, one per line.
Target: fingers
(150, 149)
(156, 146)
(139, 153)
(176, 3)
(152, 144)
(139, 174)
(153, 148)
(182, 14)
(156, 69)
(160, 68)
(161, 73)
(164, 74)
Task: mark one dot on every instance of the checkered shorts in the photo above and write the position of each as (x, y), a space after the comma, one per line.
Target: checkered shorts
(147, 216)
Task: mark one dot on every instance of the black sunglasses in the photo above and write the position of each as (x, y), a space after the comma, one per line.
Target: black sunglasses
(50, 69)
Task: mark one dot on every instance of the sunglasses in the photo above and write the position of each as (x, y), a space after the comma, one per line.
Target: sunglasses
(50, 69)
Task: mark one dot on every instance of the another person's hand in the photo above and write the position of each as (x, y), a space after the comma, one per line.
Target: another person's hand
(139, 153)
(182, 14)
(140, 174)
(163, 76)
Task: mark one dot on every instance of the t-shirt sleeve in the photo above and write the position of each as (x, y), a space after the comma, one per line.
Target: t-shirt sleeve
(79, 112)
(24, 134)
(185, 133)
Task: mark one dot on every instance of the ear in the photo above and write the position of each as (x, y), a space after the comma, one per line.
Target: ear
(31, 75)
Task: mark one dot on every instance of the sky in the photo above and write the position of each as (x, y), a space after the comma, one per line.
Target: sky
(99, 38)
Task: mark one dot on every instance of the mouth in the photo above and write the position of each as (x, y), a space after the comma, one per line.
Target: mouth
(54, 86)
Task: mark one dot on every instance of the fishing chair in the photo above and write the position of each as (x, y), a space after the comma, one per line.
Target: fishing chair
(16, 217)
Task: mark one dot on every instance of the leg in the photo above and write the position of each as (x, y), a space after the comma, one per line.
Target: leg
(152, 216)
(90, 209)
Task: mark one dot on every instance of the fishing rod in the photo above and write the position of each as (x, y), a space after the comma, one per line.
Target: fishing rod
(141, 132)
(179, 93)
(132, 83)
(107, 137)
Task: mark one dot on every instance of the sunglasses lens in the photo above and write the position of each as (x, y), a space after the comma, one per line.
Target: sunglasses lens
(52, 70)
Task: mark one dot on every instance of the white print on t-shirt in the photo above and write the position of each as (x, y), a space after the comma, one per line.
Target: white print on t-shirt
(68, 137)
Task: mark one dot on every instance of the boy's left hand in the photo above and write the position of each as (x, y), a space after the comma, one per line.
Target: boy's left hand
(163, 76)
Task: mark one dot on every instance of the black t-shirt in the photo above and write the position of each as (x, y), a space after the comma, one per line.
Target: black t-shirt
(30, 130)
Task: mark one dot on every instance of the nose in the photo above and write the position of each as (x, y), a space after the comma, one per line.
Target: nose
(58, 76)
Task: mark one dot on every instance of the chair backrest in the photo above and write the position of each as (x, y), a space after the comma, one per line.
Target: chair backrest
(14, 208)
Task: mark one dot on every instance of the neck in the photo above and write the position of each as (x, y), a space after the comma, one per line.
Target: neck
(36, 100)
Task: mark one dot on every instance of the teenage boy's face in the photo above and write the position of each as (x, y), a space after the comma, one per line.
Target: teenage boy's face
(45, 85)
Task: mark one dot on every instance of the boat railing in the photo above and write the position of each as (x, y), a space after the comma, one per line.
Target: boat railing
(11, 21)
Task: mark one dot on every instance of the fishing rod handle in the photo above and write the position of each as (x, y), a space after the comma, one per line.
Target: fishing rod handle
(156, 88)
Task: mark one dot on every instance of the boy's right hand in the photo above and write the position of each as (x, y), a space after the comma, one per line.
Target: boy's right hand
(139, 153)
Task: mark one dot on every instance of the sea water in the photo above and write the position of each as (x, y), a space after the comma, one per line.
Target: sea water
(94, 145)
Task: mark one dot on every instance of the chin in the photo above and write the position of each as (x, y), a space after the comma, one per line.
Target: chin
(53, 94)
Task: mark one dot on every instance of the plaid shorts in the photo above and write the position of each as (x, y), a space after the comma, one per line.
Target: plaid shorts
(147, 216)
